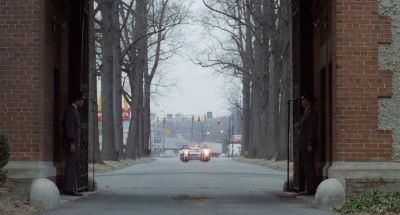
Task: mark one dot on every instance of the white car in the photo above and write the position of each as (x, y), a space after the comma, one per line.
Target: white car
(205, 155)
(194, 154)
(184, 155)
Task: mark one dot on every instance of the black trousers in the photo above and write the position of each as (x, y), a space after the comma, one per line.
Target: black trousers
(71, 173)
(307, 175)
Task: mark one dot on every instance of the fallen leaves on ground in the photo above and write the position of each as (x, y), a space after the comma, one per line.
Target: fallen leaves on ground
(279, 165)
(113, 165)
(8, 207)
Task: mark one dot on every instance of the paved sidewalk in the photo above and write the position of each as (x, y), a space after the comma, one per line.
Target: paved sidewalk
(14, 194)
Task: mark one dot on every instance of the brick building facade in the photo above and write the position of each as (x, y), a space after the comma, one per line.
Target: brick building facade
(41, 63)
(344, 52)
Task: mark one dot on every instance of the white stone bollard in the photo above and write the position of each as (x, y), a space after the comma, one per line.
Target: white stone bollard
(330, 194)
(44, 194)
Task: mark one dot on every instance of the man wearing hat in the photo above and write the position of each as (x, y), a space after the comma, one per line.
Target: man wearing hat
(307, 145)
(71, 125)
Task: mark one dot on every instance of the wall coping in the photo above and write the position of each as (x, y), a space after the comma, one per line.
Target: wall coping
(363, 170)
(30, 169)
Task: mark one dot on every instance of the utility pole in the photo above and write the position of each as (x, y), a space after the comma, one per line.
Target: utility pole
(202, 128)
(163, 141)
(191, 134)
(158, 128)
(158, 135)
(229, 133)
(202, 131)
(233, 130)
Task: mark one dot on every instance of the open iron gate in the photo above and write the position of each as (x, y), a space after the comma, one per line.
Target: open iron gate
(79, 66)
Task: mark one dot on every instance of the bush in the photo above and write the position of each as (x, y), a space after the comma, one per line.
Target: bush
(4, 154)
(373, 202)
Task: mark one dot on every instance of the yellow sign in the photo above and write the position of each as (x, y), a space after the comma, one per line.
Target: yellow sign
(125, 104)
(99, 104)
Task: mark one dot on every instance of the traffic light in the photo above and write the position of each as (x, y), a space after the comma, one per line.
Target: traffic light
(192, 118)
(198, 118)
(219, 122)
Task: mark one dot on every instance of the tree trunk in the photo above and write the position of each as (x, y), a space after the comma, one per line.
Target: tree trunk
(133, 127)
(273, 107)
(146, 113)
(94, 148)
(260, 81)
(248, 67)
(108, 145)
(286, 86)
(246, 116)
(141, 68)
(117, 85)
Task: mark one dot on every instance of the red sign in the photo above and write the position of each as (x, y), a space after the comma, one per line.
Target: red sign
(237, 138)
(126, 115)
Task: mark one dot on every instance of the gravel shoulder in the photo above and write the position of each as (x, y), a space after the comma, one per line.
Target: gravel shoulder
(278, 165)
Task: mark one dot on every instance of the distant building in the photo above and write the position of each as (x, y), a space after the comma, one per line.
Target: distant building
(178, 117)
(209, 115)
(170, 116)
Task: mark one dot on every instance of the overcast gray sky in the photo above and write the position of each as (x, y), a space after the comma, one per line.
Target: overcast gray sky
(198, 90)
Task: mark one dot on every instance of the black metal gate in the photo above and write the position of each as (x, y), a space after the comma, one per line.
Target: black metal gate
(83, 158)
(79, 78)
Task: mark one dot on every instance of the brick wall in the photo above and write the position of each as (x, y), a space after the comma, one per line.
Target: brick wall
(32, 46)
(357, 186)
(358, 83)
(20, 80)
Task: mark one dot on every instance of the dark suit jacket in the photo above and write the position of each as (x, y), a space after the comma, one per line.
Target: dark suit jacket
(71, 124)
(308, 130)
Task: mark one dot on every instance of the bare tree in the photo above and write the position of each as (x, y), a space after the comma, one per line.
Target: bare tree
(117, 76)
(165, 15)
(286, 76)
(148, 26)
(259, 28)
(108, 124)
(234, 18)
(94, 148)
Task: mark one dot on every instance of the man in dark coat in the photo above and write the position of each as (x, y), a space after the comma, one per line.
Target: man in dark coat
(307, 145)
(71, 125)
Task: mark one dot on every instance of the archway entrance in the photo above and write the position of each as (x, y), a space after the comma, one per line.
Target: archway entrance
(312, 72)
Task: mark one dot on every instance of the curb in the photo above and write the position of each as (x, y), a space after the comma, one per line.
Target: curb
(66, 198)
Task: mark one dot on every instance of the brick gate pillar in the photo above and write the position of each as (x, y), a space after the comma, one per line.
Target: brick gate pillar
(362, 81)
(36, 78)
